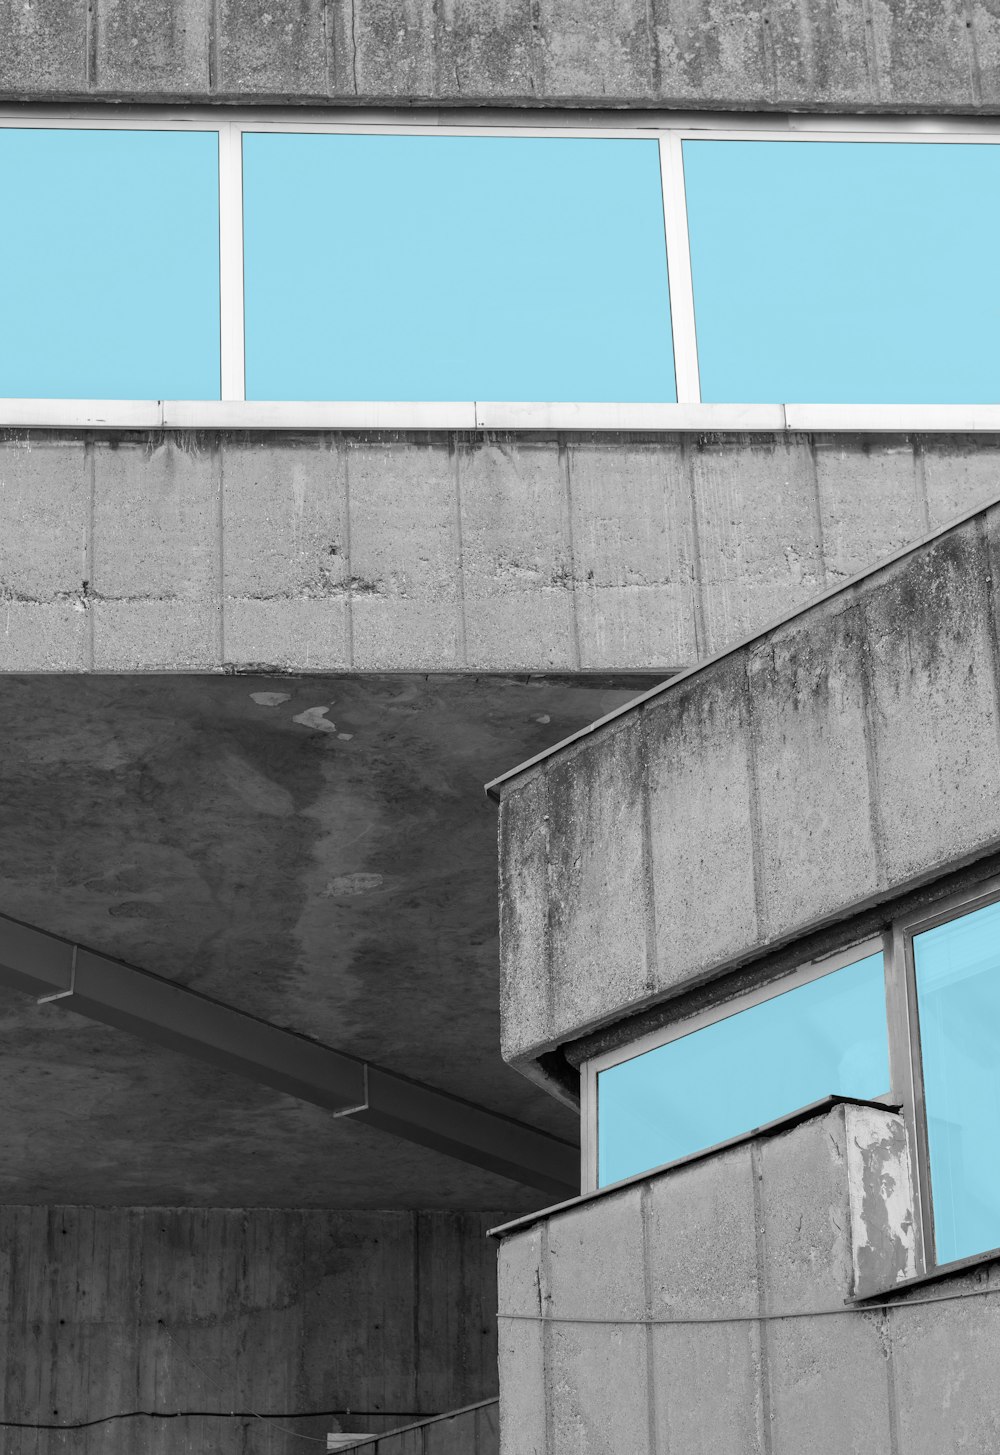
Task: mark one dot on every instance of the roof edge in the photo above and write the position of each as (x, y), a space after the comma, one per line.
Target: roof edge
(495, 786)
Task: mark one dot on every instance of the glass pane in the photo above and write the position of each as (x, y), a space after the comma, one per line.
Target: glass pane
(845, 272)
(958, 995)
(824, 1038)
(415, 267)
(109, 248)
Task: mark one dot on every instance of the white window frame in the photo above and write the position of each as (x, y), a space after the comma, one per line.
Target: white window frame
(724, 1010)
(670, 130)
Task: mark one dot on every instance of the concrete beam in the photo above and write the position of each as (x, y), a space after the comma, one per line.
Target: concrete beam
(715, 54)
(171, 1015)
(442, 552)
(841, 759)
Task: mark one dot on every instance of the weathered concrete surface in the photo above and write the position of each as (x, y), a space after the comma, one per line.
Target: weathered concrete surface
(713, 1255)
(331, 552)
(713, 54)
(839, 760)
(315, 850)
(390, 1315)
(880, 1182)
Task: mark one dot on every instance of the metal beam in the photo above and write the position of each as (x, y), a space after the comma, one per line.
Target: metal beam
(171, 1015)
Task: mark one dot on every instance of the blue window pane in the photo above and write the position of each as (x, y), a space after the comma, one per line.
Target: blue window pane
(824, 1038)
(432, 268)
(845, 272)
(109, 252)
(958, 996)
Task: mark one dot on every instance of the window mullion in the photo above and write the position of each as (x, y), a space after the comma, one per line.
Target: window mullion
(907, 1079)
(231, 259)
(675, 223)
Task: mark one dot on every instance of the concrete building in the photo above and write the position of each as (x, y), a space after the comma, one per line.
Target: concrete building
(390, 396)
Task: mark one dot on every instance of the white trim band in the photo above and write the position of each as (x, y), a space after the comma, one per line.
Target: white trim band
(488, 416)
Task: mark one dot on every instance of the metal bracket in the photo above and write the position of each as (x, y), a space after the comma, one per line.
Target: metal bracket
(62, 994)
(348, 1111)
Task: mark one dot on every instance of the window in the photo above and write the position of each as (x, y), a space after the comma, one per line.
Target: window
(957, 976)
(317, 270)
(455, 267)
(845, 272)
(749, 1066)
(915, 1022)
(109, 252)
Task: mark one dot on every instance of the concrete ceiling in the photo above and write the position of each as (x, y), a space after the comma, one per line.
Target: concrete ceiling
(315, 850)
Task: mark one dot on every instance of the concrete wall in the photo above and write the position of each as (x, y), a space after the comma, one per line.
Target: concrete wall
(742, 1240)
(436, 552)
(813, 55)
(104, 1310)
(834, 762)
(467, 1432)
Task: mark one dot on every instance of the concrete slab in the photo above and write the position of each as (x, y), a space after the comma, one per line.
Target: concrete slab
(875, 730)
(492, 554)
(594, 1260)
(609, 1410)
(872, 502)
(602, 932)
(284, 519)
(316, 850)
(602, 48)
(156, 516)
(812, 56)
(936, 735)
(516, 557)
(404, 560)
(701, 1238)
(942, 1363)
(701, 795)
(487, 48)
(43, 48)
(758, 531)
(269, 50)
(45, 497)
(809, 715)
(526, 987)
(708, 50)
(633, 552)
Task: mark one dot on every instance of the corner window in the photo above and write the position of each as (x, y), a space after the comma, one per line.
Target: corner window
(455, 267)
(957, 976)
(750, 1065)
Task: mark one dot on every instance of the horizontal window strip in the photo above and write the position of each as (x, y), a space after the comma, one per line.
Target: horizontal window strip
(685, 274)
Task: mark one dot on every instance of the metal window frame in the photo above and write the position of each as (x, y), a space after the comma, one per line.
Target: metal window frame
(903, 1024)
(806, 973)
(670, 130)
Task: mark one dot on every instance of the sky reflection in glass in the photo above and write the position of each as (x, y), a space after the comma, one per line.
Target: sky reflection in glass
(827, 1036)
(958, 995)
(455, 268)
(109, 251)
(845, 272)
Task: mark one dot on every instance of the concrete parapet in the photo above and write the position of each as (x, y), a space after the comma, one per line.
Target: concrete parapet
(335, 551)
(705, 1309)
(711, 54)
(841, 759)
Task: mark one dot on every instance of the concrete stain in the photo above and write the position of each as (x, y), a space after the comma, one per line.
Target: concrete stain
(316, 718)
